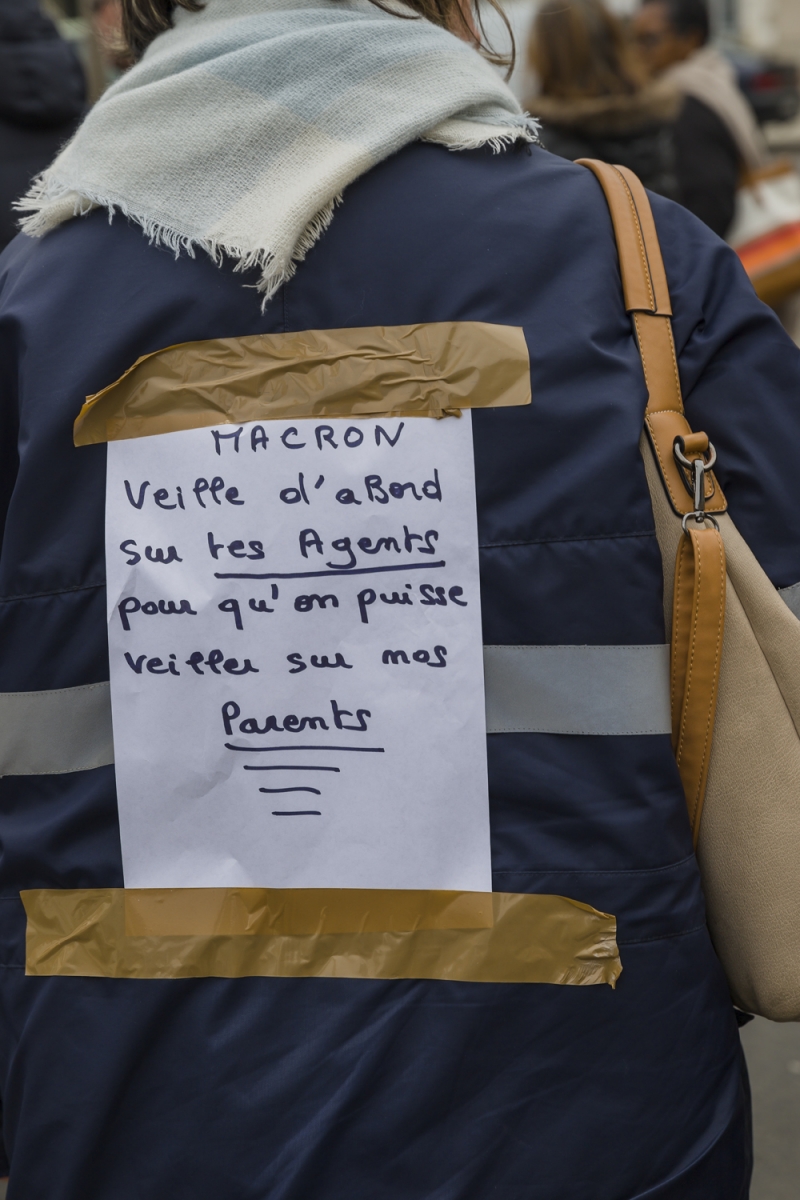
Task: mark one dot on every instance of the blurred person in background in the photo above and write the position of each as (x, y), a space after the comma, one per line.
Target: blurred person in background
(716, 134)
(594, 99)
(42, 97)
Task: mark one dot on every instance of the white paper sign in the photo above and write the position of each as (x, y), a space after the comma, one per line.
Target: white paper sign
(296, 658)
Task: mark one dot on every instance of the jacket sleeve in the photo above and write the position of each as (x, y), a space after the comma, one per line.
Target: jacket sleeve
(740, 374)
(706, 164)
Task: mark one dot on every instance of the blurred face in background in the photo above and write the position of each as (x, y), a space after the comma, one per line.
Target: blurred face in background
(659, 45)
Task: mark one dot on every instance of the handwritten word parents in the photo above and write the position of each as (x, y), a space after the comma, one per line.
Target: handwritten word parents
(292, 723)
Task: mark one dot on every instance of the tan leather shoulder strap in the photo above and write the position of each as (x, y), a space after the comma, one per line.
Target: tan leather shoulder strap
(698, 628)
(644, 280)
(646, 293)
(698, 615)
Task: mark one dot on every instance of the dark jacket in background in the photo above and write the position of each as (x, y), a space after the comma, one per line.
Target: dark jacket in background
(707, 165)
(635, 131)
(42, 96)
(716, 136)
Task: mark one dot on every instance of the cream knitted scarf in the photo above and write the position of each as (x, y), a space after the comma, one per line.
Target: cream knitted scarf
(240, 127)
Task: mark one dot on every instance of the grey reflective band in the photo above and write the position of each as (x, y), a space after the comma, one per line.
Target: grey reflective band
(604, 690)
(529, 689)
(52, 733)
(791, 595)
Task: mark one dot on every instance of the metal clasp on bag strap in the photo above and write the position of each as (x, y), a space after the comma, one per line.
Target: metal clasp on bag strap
(693, 473)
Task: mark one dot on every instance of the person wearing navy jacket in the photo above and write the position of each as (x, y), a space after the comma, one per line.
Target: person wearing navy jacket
(268, 1087)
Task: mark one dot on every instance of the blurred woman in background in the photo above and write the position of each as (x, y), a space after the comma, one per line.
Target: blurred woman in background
(594, 101)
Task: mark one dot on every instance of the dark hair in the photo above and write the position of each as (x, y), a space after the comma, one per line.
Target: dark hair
(687, 16)
(579, 49)
(143, 20)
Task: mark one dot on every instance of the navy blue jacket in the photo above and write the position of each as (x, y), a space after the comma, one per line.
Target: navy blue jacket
(336, 1089)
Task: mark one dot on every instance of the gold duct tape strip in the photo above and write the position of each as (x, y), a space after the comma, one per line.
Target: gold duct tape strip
(399, 370)
(532, 939)
(265, 912)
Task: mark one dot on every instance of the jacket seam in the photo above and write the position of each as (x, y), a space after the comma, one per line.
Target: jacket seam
(643, 646)
(661, 937)
(591, 537)
(591, 871)
(78, 587)
(577, 732)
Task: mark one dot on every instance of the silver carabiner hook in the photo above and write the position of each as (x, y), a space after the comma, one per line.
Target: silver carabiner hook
(698, 468)
(700, 517)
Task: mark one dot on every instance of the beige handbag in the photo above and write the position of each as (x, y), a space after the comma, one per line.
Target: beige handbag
(735, 648)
